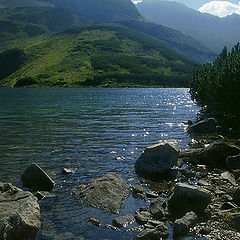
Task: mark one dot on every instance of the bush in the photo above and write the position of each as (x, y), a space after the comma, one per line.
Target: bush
(217, 85)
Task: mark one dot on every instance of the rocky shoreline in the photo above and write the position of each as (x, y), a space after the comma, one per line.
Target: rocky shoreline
(192, 192)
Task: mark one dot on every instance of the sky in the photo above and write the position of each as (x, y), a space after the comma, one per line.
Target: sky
(219, 8)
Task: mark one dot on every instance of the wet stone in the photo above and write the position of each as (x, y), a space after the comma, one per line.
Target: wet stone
(123, 221)
(143, 217)
(151, 194)
(94, 221)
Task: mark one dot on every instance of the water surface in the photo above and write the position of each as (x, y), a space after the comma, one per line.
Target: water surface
(96, 131)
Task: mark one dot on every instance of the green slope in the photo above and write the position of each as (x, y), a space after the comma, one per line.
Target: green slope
(177, 41)
(23, 26)
(100, 56)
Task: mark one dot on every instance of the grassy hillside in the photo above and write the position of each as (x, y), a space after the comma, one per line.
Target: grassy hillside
(100, 56)
(23, 26)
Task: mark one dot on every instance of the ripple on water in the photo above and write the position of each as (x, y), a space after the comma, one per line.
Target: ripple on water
(96, 131)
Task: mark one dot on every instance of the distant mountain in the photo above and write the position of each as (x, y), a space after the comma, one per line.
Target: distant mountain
(175, 40)
(96, 56)
(211, 30)
(100, 10)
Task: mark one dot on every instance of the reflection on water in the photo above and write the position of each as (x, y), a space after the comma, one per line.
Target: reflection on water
(96, 131)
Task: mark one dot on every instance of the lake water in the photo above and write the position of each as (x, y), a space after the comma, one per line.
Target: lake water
(96, 131)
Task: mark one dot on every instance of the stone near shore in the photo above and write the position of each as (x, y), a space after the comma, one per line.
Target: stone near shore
(160, 231)
(207, 125)
(187, 198)
(156, 159)
(233, 162)
(36, 177)
(106, 193)
(123, 221)
(158, 208)
(19, 213)
(182, 226)
(217, 153)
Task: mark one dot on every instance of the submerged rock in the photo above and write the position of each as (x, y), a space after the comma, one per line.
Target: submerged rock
(187, 198)
(106, 193)
(160, 231)
(19, 213)
(36, 177)
(207, 125)
(182, 226)
(157, 159)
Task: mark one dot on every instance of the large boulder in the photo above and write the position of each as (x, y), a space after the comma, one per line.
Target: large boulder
(36, 177)
(106, 193)
(157, 159)
(233, 162)
(182, 226)
(217, 153)
(19, 213)
(187, 198)
(207, 125)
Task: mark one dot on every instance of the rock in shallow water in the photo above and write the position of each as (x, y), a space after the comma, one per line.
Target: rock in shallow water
(123, 221)
(205, 126)
(106, 193)
(183, 225)
(36, 177)
(157, 159)
(187, 198)
(19, 213)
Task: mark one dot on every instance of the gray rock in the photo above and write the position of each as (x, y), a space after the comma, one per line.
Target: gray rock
(95, 222)
(160, 231)
(187, 198)
(229, 177)
(157, 159)
(158, 208)
(217, 153)
(36, 177)
(138, 191)
(207, 125)
(108, 226)
(106, 193)
(19, 213)
(123, 221)
(151, 194)
(233, 162)
(143, 217)
(182, 226)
